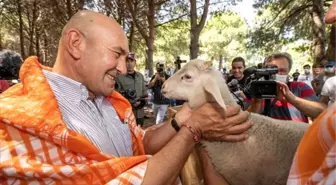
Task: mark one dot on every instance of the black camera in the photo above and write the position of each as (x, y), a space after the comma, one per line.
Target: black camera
(130, 95)
(178, 62)
(259, 83)
(160, 70)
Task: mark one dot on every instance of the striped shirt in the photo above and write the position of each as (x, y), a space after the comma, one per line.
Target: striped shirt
(284, 110)
(95, 118)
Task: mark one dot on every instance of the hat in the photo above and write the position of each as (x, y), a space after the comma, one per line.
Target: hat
(131, 56)
(330, 64)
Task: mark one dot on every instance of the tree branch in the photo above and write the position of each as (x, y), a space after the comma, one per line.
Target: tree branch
(204, 15)
(135, 20)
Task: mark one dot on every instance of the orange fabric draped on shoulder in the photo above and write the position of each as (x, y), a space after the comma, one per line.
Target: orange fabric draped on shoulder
(36, 145)
(315, 159)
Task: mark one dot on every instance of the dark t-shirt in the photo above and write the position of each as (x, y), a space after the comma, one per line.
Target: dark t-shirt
(159, 99)
(241, 82)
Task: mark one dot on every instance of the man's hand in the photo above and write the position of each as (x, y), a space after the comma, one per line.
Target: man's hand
(284, 94)
(211, 125)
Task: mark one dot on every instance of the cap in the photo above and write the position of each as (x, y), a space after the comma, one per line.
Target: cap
(330, 64)
(131, 56)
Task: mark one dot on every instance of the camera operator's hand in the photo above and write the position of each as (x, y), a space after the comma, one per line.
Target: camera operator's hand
(136, 104)
(208, 122)
(284, 94)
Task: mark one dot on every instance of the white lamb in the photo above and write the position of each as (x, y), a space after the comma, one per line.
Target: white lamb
(265, 157)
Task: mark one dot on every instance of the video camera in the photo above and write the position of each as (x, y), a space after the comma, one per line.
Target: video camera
(260, 83)
(130, 95)
(178, 62)
(161, 69)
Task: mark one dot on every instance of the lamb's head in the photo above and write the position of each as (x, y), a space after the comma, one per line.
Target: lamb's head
(196, 83)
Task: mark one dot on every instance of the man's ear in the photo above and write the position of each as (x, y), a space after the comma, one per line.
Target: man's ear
(74, 40)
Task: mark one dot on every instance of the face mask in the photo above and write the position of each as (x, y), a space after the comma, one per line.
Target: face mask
(329, 69)
(307, 71)
(281, 78)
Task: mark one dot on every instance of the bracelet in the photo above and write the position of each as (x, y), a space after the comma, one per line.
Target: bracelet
(196, 137)
(174, 124)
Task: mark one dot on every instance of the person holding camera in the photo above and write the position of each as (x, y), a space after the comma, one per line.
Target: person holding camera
(133, 87)
(160, 103)
(295, 100)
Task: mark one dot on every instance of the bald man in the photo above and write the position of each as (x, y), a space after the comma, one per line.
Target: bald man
(67, 125)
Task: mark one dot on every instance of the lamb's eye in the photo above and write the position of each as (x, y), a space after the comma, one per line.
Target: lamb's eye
(186, 76)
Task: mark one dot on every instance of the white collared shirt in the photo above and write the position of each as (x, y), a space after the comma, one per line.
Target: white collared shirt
(96, 119)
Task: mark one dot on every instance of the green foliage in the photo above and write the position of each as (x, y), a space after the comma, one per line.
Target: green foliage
(224, 34)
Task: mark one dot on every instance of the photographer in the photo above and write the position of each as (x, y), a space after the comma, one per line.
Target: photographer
(132, 86)
(295, 100)
(161, 103)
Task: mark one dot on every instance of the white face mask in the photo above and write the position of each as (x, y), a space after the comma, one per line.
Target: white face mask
(307, 71)
(281, 78)
(329, 69)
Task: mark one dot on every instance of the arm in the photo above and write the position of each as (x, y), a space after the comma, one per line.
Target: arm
(324, 99)
(211, 177)
(307, 107)
(256, 106)
(152, 81)
(232, 128)
(182, 143)
(169, 163)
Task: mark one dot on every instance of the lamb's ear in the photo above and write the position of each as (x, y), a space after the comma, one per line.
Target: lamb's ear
(208, 65)
(212, 88)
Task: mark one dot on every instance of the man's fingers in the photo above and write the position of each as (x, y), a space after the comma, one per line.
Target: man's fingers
(232, 111)
(238, 119)
(241, 128)
(235, 138)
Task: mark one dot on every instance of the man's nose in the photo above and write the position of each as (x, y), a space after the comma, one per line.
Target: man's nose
(122, 66)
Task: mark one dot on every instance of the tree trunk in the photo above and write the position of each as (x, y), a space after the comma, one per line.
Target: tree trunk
(1, 47)
(149, 61)
(37, 42)
(131, 36)
(220, 62)
(69, 8)
(331, 53)
(196, 28)
(19, 11)
(151, 36)
(32, 28)
(318, 31)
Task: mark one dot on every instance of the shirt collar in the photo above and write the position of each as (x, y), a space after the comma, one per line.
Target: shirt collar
(71, 89)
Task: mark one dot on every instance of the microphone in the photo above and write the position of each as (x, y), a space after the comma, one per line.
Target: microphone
(233, 82)
(10, 63)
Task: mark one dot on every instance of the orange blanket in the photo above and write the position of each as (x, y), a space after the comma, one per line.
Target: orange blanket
(315, 159)
(36, 146)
